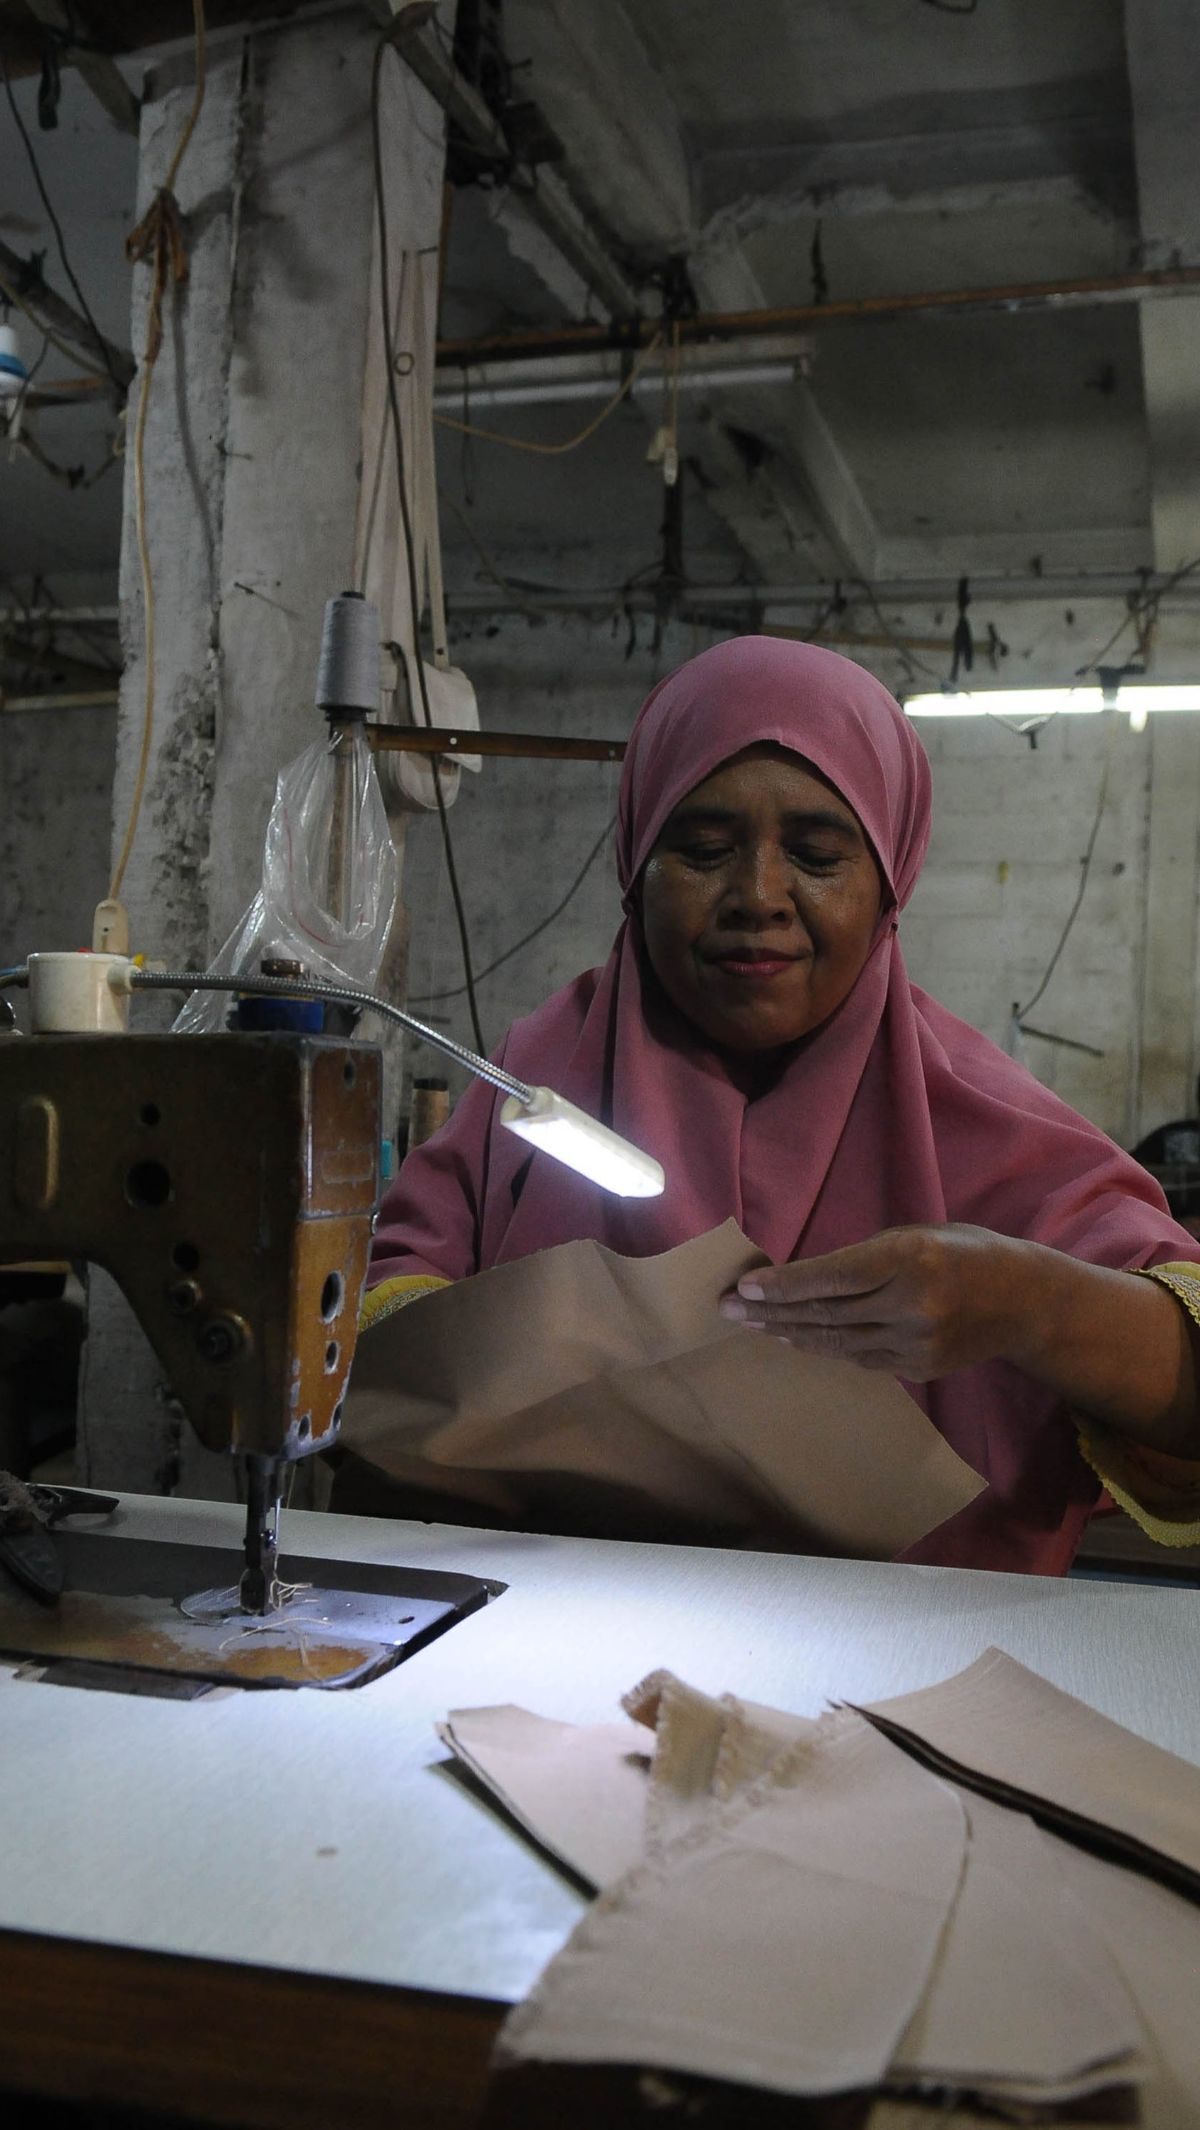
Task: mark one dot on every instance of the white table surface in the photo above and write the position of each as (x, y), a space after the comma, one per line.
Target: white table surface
(319, 1831)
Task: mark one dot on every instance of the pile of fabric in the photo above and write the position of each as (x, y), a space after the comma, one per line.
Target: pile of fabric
(983, 1894)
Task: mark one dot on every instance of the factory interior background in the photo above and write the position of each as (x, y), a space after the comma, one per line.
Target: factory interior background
(873, 323)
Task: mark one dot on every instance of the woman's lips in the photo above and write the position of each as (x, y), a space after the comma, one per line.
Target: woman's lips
(755, 968)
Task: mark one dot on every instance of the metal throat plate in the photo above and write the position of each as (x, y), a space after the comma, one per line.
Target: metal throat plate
(120, 1614)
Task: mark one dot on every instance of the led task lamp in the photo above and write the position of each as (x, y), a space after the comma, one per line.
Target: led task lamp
(1055, 702)
(89, 994)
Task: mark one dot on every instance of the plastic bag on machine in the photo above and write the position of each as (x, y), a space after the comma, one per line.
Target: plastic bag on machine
(290, 918)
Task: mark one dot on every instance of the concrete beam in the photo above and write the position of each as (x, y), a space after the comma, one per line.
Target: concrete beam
(563, 218)
(812, 492)
(786, 493)
(589, 73)
(749, 185)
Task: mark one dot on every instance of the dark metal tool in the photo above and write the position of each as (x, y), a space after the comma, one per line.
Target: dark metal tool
(27, 1515)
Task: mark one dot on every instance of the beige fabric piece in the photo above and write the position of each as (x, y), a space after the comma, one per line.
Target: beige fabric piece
(1153, 1938)
(608, 1392)
(1026, 1742)
(1024, 2003)
(842, 1894)
(705, 1751)
(579, 1789)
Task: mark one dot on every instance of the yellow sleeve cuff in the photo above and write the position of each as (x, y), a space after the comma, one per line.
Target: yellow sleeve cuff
(1160, 1493)
(392, 1294)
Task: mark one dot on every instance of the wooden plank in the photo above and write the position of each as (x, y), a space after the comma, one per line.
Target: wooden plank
(217, 2043)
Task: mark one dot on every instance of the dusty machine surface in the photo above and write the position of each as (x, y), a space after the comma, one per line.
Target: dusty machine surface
(228, 1183)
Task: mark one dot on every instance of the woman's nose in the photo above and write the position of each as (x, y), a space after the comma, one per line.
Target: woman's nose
(761, 884)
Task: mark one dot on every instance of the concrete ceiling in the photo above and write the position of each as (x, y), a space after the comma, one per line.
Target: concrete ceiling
(925, 150)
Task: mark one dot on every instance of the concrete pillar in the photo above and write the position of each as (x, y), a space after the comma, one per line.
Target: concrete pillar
(253, 464)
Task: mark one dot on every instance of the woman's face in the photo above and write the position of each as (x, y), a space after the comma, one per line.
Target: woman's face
(760, 901)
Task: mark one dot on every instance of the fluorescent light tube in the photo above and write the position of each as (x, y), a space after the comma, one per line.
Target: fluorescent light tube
(1056, 702)
(1007, 702)
(556, 1127)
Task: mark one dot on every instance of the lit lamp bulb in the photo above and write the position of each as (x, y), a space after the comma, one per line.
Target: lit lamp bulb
(1138, 713)
(556, 1127)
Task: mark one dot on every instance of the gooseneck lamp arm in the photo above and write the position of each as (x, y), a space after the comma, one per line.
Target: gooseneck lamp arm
(546, 1120)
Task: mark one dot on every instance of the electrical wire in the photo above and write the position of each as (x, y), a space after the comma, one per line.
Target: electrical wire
(56, 226)
(433, 998)
(505, 584)
(570, 443)
(1084, 872)
(157, 236)
(385, 308)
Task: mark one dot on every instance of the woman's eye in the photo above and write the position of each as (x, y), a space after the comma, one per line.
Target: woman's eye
(814, 859)
(704, 853)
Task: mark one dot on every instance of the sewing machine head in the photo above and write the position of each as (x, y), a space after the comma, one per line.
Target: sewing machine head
(228, 1183)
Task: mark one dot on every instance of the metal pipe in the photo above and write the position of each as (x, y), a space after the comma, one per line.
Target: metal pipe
(789, 318)
(420, 739)
(706, 378)
(733, 598)
(100, 699)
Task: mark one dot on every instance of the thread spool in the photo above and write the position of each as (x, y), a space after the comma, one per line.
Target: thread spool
(348, 677)
(430, 1110)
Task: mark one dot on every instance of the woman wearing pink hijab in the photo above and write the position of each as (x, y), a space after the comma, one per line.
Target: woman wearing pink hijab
(929, 1208)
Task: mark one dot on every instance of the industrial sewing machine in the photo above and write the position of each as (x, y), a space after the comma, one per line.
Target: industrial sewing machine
(228, 1183)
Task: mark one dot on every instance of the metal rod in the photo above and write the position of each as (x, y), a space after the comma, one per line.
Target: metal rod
(259, 1586)
(99, 699)
(787, 318)
(419, 739)
(758, 598)
(338, 995)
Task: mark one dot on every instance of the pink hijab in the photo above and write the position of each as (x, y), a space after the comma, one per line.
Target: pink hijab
(892, 1112)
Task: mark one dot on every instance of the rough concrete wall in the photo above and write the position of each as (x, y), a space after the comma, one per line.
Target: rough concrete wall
(1011, 825)
(57, 769)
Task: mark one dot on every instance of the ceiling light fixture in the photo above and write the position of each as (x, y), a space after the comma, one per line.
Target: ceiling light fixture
(1135, 701)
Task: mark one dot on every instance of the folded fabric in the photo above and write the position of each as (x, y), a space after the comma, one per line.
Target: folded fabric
(758, 1831)
(785, 1941)
(579, 1389)
(1005, 1730)
(1024, 2005)
(580, 1790)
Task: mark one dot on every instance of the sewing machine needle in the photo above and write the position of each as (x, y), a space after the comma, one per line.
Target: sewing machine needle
(264, 1486)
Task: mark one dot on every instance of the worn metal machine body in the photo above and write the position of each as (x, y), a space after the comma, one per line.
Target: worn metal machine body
(228, 1183)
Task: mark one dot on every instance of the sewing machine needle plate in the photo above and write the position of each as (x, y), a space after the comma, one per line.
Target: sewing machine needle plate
(121, 1608)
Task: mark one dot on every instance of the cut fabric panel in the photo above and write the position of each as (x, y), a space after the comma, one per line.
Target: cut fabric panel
(843, 1900)
(1005, 1730)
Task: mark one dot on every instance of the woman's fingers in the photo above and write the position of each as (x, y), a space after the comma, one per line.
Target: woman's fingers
(859, 1269)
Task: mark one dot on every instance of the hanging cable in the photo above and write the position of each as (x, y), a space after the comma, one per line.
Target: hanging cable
(158, 238)
(431, 998)
(389, 356)
(56, 226)
(1084, 872)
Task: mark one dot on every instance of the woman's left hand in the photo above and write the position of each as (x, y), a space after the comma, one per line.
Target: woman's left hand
(917, 1302)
